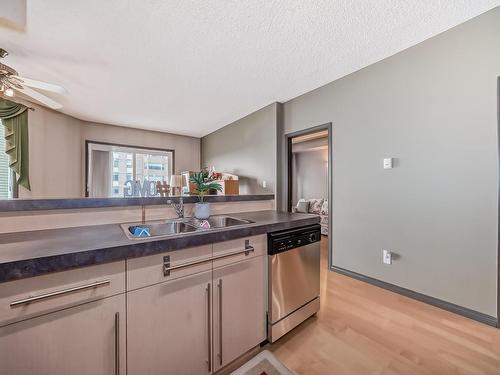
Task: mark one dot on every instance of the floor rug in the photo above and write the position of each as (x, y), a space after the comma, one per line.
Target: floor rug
(264, 363)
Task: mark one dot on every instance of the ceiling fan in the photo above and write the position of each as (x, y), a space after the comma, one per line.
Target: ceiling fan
(10, 82)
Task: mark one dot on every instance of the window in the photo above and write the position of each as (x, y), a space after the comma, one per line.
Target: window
(110, 166)
(5, 172)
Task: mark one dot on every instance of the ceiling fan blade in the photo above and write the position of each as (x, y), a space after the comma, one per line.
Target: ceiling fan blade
(39, 97)
(41, 85)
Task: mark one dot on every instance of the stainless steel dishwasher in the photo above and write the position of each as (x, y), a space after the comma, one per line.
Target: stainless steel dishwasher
(294, 266)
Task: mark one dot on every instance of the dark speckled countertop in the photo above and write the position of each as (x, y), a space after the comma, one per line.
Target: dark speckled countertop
(27, 254)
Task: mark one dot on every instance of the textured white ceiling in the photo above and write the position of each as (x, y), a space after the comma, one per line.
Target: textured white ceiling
(190, 67)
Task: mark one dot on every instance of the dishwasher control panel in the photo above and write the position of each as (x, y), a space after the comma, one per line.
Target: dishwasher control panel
(279, 242)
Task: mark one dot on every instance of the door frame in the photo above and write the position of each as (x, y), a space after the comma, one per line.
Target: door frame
(288, 139)
(498, 212)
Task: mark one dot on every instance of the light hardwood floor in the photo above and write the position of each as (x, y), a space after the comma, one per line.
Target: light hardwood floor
(363, 329)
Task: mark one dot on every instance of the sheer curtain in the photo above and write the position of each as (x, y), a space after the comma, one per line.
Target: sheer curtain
(100, 179)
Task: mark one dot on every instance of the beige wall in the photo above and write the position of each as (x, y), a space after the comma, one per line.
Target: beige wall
(55, 155)
(57, 151)
(187, 149)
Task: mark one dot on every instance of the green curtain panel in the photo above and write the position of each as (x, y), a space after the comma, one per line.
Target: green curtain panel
(14, 117)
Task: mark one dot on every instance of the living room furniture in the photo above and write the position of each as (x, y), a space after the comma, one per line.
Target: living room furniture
(316, 206)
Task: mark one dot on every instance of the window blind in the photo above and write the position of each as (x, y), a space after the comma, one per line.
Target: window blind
(4, 166)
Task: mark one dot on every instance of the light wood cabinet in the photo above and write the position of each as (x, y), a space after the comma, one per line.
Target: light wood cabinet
(149, 270)
(201, 322)
(209, 310)
(88, 339)
(239, 309)
(59, 290)
(170, 327)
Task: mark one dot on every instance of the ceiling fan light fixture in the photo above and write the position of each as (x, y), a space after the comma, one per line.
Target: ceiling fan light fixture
(10, 82)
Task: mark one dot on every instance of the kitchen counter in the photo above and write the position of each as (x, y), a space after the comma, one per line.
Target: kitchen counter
(28, 254)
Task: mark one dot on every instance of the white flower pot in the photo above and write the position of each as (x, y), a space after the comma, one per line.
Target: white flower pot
(202, 210)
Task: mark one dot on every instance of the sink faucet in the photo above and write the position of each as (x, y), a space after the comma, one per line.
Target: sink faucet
(179, 207)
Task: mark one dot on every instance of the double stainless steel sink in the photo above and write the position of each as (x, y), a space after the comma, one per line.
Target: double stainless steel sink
(178, 226)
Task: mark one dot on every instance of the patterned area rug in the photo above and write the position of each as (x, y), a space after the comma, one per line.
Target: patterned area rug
(263, 363)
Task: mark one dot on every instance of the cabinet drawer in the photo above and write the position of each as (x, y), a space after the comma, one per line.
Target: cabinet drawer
(258, 243)
(27, 298)
(88, 339)
(149, 270)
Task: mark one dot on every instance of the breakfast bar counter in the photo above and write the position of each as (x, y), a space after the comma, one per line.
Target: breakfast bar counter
(28, 254)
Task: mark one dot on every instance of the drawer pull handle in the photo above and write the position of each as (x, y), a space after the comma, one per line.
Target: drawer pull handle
(248, 249)
(220, 321)
(117, 343)
(57, 293)
(167, 268)
(209, 327)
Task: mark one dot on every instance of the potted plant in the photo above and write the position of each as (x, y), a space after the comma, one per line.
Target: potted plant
(203, 185)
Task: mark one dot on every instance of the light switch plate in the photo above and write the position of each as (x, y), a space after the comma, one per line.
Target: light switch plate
(388, 163)
(386, 256)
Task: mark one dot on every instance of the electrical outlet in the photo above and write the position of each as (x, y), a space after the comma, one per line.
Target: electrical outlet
(386, 256)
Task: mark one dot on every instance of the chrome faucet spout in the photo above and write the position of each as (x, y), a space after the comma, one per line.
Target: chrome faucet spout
(179, 207)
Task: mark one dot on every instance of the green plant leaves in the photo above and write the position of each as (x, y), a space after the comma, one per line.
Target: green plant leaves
(203, 184)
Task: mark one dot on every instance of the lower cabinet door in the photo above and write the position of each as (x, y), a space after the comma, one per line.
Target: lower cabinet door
(169, 327)
(88, 339)
(239, 309)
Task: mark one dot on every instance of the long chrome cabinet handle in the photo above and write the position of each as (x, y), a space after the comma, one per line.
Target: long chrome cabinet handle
(219, 285)
(209, 326)
(57, 293)
(117, 343)
(247, 250)
(167, 268)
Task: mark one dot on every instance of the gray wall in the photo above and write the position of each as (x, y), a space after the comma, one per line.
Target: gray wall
(310, 171)
(246, 148)
(434, 108)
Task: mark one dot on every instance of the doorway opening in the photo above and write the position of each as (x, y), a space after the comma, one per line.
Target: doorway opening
(309, 170)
